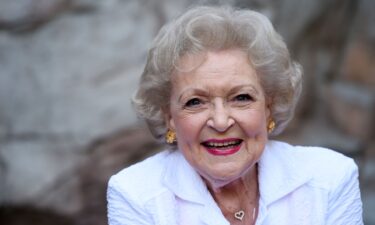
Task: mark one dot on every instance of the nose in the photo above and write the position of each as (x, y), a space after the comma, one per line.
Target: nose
(220, 118)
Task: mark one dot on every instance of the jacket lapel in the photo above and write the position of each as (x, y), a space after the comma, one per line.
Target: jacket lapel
(181, 179)
(279, 175)
(279, 171)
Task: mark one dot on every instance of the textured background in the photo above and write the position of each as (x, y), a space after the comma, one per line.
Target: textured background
(68, 68)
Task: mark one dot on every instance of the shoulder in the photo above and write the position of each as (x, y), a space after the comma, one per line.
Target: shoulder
(141, 181)
(326, 178)
(327, 168)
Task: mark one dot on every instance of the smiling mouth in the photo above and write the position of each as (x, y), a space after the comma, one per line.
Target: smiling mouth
(222, 147)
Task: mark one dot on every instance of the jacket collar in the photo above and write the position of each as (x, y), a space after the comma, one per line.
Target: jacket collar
(279, 173)
(183, 180)
(186, 183)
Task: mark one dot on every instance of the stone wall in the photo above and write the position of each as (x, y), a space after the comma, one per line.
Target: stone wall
(68, 68)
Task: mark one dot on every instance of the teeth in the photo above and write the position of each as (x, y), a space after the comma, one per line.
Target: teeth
(224, 144)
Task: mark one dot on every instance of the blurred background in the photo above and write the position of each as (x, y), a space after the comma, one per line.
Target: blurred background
(69, 67)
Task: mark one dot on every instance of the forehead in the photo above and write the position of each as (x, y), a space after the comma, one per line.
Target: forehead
(203, 60)
(228, 66)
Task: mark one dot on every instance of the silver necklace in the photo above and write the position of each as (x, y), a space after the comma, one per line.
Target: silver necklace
(239, 215)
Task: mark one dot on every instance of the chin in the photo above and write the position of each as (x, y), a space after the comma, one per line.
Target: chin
(221, 176)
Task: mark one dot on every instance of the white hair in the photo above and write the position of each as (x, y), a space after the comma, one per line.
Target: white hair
(207, 28)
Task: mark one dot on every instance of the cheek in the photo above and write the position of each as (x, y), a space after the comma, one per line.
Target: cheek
(253, 123)
(188, 128)
(184, 132)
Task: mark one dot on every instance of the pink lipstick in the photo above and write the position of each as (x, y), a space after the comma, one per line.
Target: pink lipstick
(222, 147)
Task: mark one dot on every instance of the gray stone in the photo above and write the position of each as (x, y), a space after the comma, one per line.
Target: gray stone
(368, 169)
(352, 109)
(359, 63)
(37, 166)
(28, 14)
(359, 59)
(75, 76)
(69, 67)
(368, 207)
(317, 132)
(288, 11)
(62, 87)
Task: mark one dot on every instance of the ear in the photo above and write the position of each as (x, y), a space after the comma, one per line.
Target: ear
(268, 108)
(169, 122)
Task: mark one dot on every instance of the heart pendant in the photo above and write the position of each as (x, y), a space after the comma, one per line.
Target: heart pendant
(239, 215)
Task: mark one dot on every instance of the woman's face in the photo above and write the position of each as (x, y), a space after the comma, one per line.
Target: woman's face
(219, 113)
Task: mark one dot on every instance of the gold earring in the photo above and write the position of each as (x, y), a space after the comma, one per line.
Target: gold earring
(170, 137)
(271, 126)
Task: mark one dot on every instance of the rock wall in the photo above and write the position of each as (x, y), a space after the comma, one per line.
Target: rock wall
(68, 68)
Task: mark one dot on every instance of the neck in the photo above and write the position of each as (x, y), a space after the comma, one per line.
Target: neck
(238, 195)
(248, 182)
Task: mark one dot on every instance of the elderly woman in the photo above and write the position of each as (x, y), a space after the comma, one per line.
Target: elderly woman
(217, 85)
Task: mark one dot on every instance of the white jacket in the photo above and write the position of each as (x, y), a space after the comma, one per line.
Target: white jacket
(298, 185)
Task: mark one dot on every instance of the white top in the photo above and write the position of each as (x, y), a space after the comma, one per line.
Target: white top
(298, 185)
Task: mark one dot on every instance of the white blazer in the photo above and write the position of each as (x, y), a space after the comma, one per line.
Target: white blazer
(298, 185)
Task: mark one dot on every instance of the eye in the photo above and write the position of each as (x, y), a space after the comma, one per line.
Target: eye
(243, 97)
(193, 102)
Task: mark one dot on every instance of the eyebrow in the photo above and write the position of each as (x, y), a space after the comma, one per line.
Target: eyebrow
(198, 91)
(202, 91)
(244, 86)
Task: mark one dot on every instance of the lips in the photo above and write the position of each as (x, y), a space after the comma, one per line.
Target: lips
(222, 147)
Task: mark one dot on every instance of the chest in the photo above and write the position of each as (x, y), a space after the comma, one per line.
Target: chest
(304, 206)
